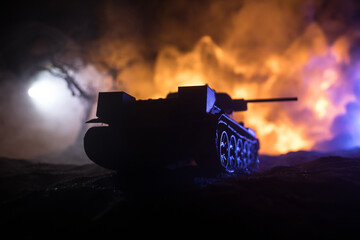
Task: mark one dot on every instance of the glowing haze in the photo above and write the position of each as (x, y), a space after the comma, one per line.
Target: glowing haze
(310, 69)
(248, 49)
(270, 50)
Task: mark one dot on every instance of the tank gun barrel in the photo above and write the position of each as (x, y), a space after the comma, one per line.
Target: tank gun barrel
(272, 100)
(237, 105)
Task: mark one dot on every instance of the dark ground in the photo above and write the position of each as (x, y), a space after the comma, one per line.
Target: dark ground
(315, 196)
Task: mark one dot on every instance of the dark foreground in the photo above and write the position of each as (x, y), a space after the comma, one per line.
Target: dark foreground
(313, 198)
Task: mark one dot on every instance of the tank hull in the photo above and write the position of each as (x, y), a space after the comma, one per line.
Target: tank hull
(116, 147)
(119, 147)
(190, 125)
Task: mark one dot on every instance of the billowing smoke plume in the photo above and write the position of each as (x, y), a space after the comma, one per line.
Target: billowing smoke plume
(278, 49)
(249, 49)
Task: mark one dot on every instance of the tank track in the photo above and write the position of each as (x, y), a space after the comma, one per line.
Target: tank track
(237, 146)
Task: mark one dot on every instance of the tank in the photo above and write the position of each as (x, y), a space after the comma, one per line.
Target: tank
(193, 124)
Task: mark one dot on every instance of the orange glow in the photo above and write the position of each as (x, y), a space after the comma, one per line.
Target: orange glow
(321, 107)
(310, 69)
(290, 139)
(260, 57)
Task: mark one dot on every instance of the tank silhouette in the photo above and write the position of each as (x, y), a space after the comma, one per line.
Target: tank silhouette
(191, 124)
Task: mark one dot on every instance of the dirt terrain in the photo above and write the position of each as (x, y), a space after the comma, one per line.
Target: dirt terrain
(297, 195)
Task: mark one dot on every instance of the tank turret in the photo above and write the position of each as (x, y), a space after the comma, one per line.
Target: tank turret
(193, 123)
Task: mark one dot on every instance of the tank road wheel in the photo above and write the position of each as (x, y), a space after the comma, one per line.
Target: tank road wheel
(232, 156)
(244, 154)
(238, 154)
(252, 154)
(224, 149)
(248, 156)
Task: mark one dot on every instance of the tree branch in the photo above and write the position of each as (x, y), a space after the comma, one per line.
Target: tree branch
(60, 71)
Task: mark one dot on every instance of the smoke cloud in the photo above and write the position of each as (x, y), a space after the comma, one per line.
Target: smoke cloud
(249, 49)
(274, 49)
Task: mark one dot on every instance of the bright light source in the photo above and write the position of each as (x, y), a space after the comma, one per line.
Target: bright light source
(44, 91)
(53, 99)
(48, 91)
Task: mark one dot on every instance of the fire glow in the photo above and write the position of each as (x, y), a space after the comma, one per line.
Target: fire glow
(269, 49)
(312, 69)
